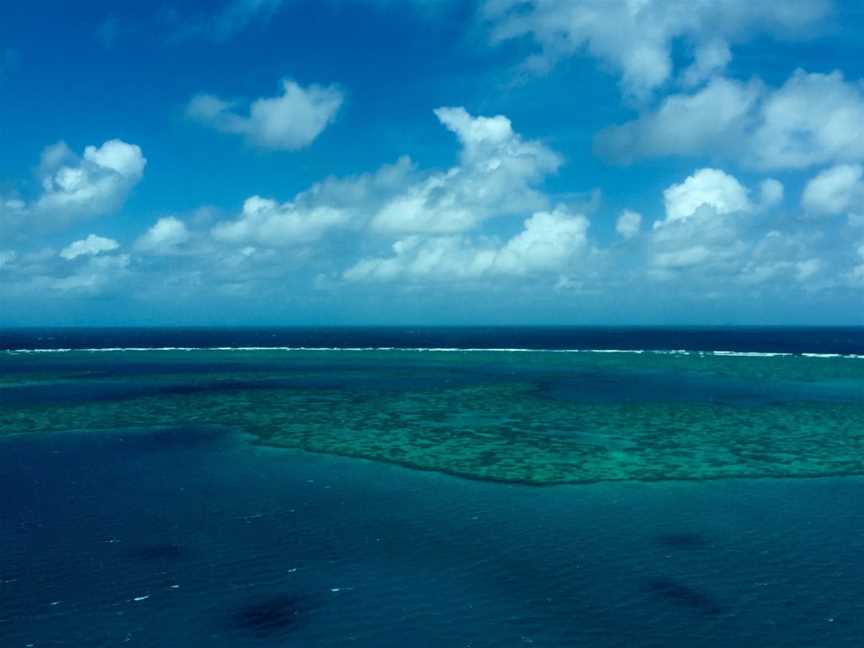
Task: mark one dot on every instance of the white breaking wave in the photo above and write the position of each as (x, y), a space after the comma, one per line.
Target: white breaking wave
(741, 354)
(767, 354)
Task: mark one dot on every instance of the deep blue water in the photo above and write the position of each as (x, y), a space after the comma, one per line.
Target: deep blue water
(197, 538)
(845, 340)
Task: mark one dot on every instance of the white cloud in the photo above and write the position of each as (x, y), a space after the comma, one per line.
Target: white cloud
(124, 159)
(95, 185)
(635, 38)
(164, 237)
(710, 241)
(705, 228)
(812, 119)
(771, 193)
(628, 224)
(549, 242)
(496, 175)
(684, 258)
(74, 188)
(782, 258)
(289, 121)
(711, 188)
(707, 241)
(836, 190)
(90, 246)
(365, 193)
(95, 276)
(269, 223)
(709, 59)
(804, 270)
(685, 124)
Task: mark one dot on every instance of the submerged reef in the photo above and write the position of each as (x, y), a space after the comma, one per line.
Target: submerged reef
(527, 417)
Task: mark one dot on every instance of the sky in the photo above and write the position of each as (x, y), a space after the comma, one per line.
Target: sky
(337, 162)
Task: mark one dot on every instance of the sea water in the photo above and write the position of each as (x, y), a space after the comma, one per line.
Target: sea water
(273, 497)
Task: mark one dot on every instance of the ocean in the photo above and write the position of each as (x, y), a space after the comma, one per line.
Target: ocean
(432, 487)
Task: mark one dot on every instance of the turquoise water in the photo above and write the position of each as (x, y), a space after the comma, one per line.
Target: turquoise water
(527, 417)
(370, 498)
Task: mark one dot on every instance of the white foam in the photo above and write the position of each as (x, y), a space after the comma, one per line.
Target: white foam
(290, 349)
(753, 354)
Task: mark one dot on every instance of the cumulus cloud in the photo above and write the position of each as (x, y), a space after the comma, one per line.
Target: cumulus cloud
(164, 237)
(267, 222)
(90, 246)
(94, 185)
(836, 190)
(96, 275)
(771, 192)
(685, 124)
(289, 121)
(74, 187)
(710, 238)
(628, 224)
(709, 59)
(712, 188)
(702, 223)
(497, 175)
(43, 272)
(713, 234)
(635, 38)
(365, 193)
(548, 242)
(781, 257)
(812, 119)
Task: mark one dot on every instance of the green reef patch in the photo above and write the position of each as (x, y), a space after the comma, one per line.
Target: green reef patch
(526, 417)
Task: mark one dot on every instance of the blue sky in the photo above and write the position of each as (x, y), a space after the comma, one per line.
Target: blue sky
(432, 161)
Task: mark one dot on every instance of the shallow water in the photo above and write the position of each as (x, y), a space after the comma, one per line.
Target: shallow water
(194, 537)
(531, 417)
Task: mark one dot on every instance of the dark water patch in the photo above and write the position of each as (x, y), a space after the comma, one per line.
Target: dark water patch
(166, 439)
(683, 540)
(168, 552)
(744, 338)
(71, 391)
(683, 595)
(84, 391)
(273, 616)
(76, 391)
